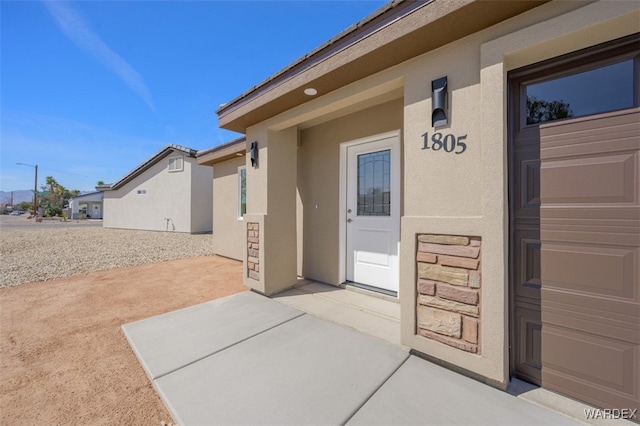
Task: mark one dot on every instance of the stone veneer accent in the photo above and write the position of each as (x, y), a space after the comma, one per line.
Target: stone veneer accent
(253, 250)
(449, 279)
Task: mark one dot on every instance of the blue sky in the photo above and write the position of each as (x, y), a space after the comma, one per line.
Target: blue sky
(89, 90)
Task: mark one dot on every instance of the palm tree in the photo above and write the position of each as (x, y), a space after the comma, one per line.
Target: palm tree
(59, 191)
(52, 183)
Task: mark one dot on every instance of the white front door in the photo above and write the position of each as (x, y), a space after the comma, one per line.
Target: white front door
(373, 212)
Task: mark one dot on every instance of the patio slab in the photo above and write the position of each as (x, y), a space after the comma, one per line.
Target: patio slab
(305, 371)
(374, 316)
(170, 341)
(423, 393)
(248, 359)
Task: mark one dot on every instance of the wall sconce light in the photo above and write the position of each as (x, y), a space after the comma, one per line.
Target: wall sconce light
(254, 154)
(439, 102)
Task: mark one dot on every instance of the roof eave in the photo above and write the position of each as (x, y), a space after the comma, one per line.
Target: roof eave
(400, 33)
(232, 149)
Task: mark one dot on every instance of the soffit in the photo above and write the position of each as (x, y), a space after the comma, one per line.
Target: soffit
(233, 149)
(403, 32)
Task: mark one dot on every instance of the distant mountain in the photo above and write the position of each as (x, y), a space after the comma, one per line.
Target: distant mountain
(18, 196)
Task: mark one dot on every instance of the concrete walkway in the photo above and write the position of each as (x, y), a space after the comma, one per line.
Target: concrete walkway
(248, 359)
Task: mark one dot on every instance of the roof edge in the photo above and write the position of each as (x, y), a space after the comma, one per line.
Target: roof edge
(325, 46)
(231, 149)
(145, 165)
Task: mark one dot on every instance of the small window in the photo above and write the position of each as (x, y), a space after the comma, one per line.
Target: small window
(142, 192)
(242, 191)
(602, 89)
(176, 164)
(374, 184)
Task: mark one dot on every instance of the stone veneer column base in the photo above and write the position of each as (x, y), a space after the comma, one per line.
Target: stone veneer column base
(448, 289)
(253, 250)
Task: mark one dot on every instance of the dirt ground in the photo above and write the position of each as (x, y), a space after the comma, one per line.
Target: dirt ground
(64, 359)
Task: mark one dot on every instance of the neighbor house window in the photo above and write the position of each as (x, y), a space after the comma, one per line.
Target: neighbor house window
(242, 191)
(176, 164)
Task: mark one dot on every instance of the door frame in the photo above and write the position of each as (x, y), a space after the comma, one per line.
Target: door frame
(396, 164)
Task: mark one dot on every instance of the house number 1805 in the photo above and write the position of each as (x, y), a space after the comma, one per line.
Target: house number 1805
(448, 143)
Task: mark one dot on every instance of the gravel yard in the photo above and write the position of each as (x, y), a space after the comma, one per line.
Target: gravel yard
(64, 357)
(45, 251)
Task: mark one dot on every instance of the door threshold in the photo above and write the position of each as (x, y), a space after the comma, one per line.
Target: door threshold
(381, 293)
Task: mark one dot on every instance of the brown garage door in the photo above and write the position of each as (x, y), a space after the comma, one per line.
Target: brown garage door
(590, 233)
(574, 206)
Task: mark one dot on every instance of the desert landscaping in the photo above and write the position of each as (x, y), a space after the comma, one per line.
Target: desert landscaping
(66, 290)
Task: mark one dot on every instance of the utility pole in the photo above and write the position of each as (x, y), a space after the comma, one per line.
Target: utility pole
(35, 194)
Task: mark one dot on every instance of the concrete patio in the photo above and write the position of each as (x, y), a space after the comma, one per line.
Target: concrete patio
(249, 359)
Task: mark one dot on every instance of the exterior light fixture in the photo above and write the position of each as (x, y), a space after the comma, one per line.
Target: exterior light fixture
(254, 154)
(439, 102)
(310, 91)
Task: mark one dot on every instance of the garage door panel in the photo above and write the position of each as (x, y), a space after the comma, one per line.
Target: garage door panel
(597, 359)
(590, 258)
(576, 317)
(527, 254)
(609, 132)
(625, 215)
(527, 176)
(585, 391)
(601, 179)
(529, 326)
(621, 235)
(598, 269)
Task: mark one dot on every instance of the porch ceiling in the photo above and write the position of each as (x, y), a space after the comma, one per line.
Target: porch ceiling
(403, 31)
(235, 148)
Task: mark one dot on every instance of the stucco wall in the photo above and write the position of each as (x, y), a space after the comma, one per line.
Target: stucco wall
(201, 198)
(444, 193)
(271, 205)
(168, 196)
(466, 194)
(319, 183)
(228, 230)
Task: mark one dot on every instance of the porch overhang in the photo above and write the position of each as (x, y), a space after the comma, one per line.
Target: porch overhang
(235, 148)
(395, 33)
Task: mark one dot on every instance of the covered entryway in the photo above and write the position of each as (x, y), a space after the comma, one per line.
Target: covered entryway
(575, 225)
(372, 214)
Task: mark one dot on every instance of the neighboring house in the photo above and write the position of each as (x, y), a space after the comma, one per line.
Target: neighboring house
(168, 192)
(479, 162)
(87, 206)
(229, 196)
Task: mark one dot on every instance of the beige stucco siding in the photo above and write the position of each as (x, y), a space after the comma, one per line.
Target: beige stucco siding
(201, 198)
(464, 194)
(319, 180)
(228, 230)
(166, 204)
